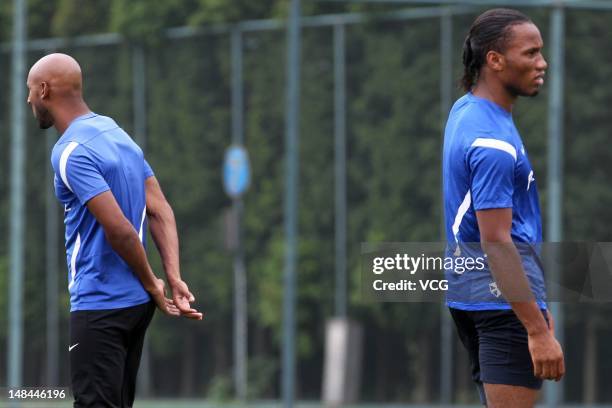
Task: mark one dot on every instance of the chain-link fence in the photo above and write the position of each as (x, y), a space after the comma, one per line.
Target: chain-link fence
(394, 118)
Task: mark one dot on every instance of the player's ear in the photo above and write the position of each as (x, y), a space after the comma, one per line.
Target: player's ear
(45, 90)
(495, 61)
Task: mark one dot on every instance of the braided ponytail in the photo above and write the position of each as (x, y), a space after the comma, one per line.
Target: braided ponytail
(469, 70)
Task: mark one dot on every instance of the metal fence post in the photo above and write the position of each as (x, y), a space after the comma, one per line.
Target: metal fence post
(446, 94)
(240, 278)
(291, 201)
(139, 112)
(17, 205)
(340, 168)
(554, 391)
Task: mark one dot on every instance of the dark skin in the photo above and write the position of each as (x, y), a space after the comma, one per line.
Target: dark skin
(124, 239)
(518, 71)
(162, 225)
(55, 91)
(55, 95)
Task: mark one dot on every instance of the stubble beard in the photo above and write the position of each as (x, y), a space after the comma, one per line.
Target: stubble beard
(45, 121)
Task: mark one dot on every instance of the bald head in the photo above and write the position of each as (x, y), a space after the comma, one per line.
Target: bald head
(56, 84)
(60, 71)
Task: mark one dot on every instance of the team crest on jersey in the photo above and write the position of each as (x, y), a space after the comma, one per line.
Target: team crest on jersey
(494, 289)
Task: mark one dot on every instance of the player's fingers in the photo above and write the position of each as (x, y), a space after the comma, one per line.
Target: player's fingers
(552, 370)
(188, 310)
(193, 315)
(181, 300)
(543, 368)
(191, 297)
(169, 306)
(537, 368)
(561, 366)
(185, 308)
(192, 312)
(173, 311)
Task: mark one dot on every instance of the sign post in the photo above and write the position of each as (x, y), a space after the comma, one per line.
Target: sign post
(236, 180)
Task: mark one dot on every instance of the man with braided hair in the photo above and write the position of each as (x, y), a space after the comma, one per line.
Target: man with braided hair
(491, 199)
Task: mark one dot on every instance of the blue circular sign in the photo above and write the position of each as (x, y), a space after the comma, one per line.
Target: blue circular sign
(236, 171)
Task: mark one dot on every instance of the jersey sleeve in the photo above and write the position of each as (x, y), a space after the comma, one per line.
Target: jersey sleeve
(82, 175)
(491, 177)
(148, 171)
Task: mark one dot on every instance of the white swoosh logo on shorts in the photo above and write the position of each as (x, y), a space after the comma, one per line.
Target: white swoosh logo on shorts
(71, 347)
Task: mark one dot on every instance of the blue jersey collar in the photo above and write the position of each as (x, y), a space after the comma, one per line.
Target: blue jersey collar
(88, 115)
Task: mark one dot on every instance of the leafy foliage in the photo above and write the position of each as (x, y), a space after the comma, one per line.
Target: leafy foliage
(394, 122)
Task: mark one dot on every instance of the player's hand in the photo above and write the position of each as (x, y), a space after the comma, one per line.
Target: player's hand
(183, 298)
(546, 354)
(158, 293)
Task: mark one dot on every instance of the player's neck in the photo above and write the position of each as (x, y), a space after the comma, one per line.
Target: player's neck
(65, 114)
(495, 92)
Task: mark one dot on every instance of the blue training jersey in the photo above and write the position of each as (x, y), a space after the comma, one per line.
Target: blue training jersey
(95, 155)
(485, 166)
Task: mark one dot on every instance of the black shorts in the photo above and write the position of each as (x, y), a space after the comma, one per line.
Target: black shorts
(105, 348)
(496, 342)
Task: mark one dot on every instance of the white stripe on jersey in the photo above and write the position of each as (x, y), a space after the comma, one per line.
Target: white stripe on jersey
(495, 144)
(75, 252)
(463, 208)
(144, 213)
(64, 161)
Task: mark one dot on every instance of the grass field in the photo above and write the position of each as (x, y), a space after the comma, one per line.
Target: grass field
(182, 403)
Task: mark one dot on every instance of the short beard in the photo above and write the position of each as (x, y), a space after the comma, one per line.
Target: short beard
(516, 92)
(44, 124)
(45, 120)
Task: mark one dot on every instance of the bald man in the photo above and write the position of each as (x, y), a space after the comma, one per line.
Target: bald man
(109, 192)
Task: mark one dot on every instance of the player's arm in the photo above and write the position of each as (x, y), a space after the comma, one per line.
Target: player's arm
(507, 269)
(124, 239)
(164, 232)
